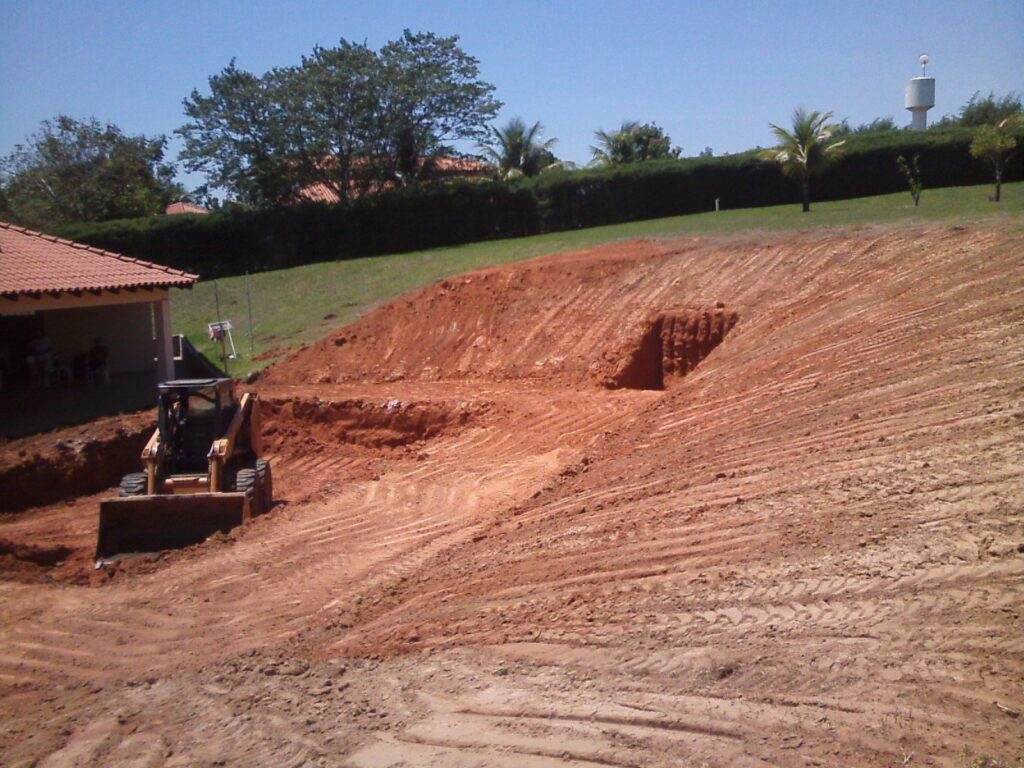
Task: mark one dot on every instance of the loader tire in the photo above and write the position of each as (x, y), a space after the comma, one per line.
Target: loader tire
(133, 484)
(266, 478)
(248, 482)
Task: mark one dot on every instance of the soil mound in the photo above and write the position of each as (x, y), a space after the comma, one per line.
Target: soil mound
(548, 320)
(71, 462)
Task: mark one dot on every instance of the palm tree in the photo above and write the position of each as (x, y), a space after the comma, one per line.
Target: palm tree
(614, 147)
(802, 151)
(633, 143)
(517, 149)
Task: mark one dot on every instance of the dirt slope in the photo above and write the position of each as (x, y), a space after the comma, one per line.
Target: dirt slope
(515, 533)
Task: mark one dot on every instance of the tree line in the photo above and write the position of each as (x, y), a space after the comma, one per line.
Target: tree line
(353, 121)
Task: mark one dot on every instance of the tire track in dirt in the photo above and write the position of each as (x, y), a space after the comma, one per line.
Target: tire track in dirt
(386, 528)
(806, 550)
(929, 411)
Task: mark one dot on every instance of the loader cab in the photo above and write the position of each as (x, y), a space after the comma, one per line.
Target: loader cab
(192, 414)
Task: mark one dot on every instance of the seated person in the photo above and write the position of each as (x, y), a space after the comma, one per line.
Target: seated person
(96, 360)
(39, 359)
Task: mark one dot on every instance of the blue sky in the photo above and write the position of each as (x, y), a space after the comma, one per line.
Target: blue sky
(710, 73)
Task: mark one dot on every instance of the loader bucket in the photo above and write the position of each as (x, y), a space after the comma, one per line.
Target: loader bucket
(137, 524)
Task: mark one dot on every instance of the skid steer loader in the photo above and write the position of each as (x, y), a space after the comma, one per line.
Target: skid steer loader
(203, 473)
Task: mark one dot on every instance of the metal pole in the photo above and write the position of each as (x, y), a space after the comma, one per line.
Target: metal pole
(223, 349)
(224, 353)
(248, 298)
(216, 298)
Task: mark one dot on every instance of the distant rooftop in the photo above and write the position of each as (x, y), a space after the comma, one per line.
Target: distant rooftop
(444, 168)
(176, 209)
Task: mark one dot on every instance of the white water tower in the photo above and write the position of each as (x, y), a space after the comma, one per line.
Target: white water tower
(920, 97)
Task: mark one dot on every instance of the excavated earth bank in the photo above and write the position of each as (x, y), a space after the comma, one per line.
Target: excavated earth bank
(731, 502)
(671, 345)
(295, 426)
(70, 462)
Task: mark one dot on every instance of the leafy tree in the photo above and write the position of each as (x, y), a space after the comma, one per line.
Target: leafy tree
(803, 150)
(432, 95)
(878, 124)
(632, 143)
(912, 173)
(331, 109)
(995, 144)
(517, 149)
(72, 170)
(236, 136)
(985, 110)
(347, 117)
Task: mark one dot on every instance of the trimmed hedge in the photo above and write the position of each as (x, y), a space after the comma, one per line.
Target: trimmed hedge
(868, 167)
(655, 190)
(233, 242)
(236, 241)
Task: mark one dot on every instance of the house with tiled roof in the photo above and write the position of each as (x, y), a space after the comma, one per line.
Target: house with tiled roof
(59, 300)
(443, 169)
(184, 207)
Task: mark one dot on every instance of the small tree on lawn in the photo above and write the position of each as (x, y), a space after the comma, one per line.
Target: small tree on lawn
(912, 173)
(995, 144)
(805, 149)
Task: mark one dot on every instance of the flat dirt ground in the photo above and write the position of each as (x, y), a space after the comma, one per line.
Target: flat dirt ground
(519, 525)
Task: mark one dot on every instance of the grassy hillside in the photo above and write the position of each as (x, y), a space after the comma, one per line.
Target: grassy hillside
(295, 306)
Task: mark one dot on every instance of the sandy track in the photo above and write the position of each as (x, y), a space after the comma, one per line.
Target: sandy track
(810, 550)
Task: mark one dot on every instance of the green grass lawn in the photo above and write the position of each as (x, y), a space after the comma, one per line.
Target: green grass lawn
(299, 305)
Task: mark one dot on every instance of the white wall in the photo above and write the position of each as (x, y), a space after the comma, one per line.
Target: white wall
(126, 329)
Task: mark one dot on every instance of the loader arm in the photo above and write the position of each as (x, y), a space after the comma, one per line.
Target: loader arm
(224, 448)
(152, 456)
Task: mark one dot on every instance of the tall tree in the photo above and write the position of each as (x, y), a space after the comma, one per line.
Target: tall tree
(347, 117)
(632, 143)
(335, 122)
(804, 149)
(517, 149)
(432, 95)
(236, 135)
(995, 144)
(84, 170)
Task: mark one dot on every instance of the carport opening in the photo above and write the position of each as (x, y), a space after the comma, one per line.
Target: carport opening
(670, 345)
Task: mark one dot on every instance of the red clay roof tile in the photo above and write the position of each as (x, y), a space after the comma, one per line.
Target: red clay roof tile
(31, 262)
(176, 209)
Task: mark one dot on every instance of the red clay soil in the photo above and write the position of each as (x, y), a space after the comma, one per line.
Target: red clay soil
(71, 462)
(727, 502)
